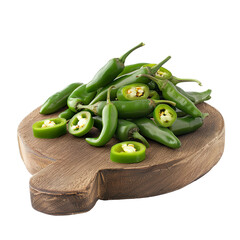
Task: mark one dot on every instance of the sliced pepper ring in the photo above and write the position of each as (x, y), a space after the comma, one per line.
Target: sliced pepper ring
(80, 124)
(162, 72)
(134, 91)
(164, 115)
(50, 128)
(120, 156)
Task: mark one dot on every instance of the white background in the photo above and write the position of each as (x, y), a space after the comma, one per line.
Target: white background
(46, 45)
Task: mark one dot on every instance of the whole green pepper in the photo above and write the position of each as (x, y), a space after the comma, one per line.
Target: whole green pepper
(180, 113)
(119, 155)
(135, 91)
(80, 96)
(152, 85)
(97, 122)
(110, 119)
(197, 97)
(126, 109)
(187, 124)
(58, 100)
(126, 80)
(67, 114)
(184, 93)
(200, 97)
(109, 71)
(170, 92)
(159, 134)
(131, 68)
(126, 130)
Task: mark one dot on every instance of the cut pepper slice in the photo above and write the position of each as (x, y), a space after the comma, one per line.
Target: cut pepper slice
(134, 91)
(128, 152)
(80, 124)
(162, 72)
(50, 128)
(164, 115)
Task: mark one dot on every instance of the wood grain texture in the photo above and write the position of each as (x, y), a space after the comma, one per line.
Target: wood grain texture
(70, 175)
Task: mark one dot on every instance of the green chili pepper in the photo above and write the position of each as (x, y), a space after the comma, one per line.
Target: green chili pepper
(200, 97)
(154, 95)
(150, 115)
(128, 152)
(164, 115)
(159, 134)
(110, 119)
(196, 97)
(80, 124)
(58, 100)
(97, 122)
(126, 80)
(180, 113)
(187, 124)
(126, 130)
(184, 93)
(152, 85)
(67, 114)
(170, 92)
(127, 109)
(131, 68)
(135, 91)
(109, 71)
(164, 74)
(49, 128)
(79, 96)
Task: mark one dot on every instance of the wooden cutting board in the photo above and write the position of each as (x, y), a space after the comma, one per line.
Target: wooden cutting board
(69, 175)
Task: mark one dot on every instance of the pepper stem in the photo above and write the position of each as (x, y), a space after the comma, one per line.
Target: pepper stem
(124, 56)
(164, 101)
(92, 108)
(109, 94)
(205, 115)
(176, 80)
(137, 135)
(154, 69)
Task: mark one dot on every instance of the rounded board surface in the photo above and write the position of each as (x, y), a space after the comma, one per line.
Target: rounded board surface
(70, 175)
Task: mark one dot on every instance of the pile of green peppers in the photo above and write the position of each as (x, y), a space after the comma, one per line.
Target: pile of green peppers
(132, 103)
